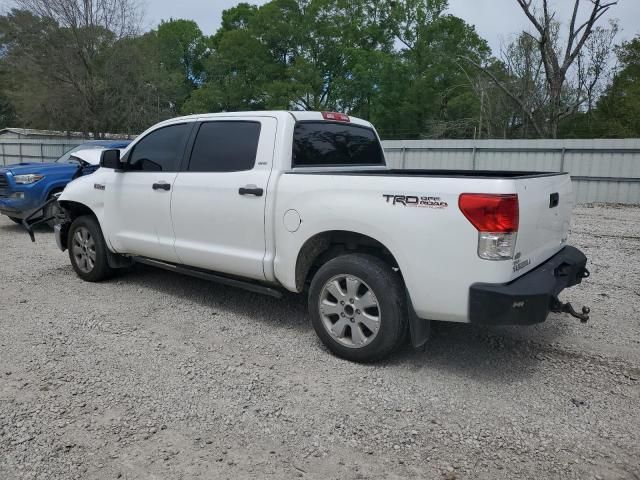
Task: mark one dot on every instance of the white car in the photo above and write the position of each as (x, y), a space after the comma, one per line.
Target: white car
(303, 201)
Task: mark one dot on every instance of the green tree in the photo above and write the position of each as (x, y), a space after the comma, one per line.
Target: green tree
(57, 60)
(183, 47)
(37, 83)
(141, 89)
(172, 66)
(235, 18)
(394, 63)
(432, 93)
(236, 70)
(90, 79)
(237, 74)
(344, 55)
(558, 53)
(7, 110)
(618, 110)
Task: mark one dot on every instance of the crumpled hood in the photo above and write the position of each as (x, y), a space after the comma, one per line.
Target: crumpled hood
(41, 168)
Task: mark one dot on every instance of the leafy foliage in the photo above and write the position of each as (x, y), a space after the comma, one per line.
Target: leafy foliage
(393, 63)
(407, 66)
(618, 111)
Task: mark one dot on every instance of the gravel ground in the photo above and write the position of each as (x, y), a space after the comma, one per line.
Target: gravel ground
(155, 375)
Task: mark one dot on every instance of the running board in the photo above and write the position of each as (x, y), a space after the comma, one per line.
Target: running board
(212, 277)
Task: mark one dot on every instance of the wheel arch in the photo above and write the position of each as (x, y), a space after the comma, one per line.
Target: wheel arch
(77, 209)
(74, 210)
(323, 246)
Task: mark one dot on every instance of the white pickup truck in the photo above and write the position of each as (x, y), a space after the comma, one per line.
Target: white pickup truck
(304, 201)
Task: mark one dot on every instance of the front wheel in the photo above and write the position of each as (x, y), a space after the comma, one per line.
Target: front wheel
(88, 250)
(357, 307)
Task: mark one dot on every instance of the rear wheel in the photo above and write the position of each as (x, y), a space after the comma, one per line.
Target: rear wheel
(357, 307)
(88, 250)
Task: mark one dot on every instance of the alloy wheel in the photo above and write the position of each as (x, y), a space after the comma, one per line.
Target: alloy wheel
(84, 249)
(350, 311)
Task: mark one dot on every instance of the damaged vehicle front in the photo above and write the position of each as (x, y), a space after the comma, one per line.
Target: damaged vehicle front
(78, 164)
(24, 187)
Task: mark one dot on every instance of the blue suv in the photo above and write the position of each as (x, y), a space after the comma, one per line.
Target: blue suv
(26, 186)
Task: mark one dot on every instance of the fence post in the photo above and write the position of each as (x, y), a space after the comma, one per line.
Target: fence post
(473, 159)
(42, 153)
(4, 161)
(404, 157)
(562, 159)
(20, 151)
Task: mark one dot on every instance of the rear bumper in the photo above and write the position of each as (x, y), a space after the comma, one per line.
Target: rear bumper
(528, 299)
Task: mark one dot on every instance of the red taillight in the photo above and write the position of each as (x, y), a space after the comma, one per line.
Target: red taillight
(491, 213)
(336, 117)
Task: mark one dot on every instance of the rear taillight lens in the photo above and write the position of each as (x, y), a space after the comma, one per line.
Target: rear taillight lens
(491, 213)
(496, 218)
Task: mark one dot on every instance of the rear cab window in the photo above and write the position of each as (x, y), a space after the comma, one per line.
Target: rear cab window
(335, 144)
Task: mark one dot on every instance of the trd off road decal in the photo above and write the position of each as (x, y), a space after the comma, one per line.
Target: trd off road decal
(415, 201)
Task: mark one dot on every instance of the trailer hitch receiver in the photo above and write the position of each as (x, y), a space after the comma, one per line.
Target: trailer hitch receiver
(558, 307)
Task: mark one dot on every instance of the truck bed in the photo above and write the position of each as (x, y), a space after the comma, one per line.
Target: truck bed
(435, 246)
(492, 174)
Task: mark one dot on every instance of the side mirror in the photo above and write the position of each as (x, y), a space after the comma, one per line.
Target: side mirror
(111, 159)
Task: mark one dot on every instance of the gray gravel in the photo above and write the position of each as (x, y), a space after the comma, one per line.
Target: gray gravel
(154, 375)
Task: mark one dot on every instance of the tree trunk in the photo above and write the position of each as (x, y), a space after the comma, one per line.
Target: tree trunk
(555, 105)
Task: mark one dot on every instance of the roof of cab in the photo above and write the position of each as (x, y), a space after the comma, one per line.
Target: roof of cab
(280, 114)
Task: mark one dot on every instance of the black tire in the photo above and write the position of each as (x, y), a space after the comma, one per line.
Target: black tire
(16, 220)
(387, 288)
(98, 269)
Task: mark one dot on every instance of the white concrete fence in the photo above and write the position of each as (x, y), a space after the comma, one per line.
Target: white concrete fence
(602, 170)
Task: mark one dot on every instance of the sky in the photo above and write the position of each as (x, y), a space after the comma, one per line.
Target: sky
(495, 20)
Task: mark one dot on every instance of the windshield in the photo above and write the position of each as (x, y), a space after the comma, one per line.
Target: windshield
(66, 158)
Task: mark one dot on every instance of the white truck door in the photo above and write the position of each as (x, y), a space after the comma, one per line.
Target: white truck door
(138, 201)
(218, 204)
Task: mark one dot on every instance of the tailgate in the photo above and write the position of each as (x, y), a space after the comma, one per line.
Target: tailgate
(545, 214)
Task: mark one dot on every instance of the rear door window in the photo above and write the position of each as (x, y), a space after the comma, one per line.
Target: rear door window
(335, 144)
(225, 146)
